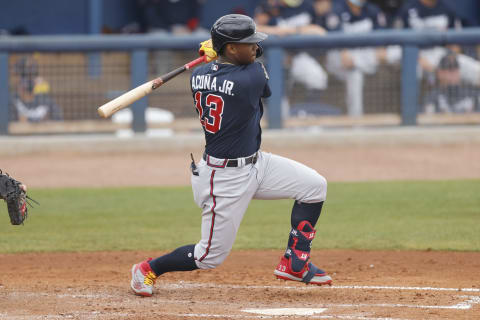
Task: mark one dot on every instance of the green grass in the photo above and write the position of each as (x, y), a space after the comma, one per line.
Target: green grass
(440, 215)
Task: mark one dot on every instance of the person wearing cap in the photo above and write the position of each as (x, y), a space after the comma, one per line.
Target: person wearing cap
(31, 100)
(233, 170)
(436, 15)
(451, 95)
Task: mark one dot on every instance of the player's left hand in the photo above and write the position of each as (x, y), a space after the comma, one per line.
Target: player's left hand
(206, 49)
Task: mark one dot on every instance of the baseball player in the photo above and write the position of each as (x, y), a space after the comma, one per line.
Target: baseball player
(227, 95)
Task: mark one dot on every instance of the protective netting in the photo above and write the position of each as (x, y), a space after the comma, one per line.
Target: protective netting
(338, 82)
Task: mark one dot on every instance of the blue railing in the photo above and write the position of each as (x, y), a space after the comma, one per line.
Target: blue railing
(139, 45)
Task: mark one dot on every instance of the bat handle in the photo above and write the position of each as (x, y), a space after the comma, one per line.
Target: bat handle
(195, 62)
(162, 79)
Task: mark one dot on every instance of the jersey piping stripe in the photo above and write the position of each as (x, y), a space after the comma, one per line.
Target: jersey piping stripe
(213, 217)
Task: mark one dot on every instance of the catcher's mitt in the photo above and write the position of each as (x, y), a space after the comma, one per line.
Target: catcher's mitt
(14, 193)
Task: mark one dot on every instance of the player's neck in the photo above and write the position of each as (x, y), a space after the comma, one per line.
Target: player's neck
(227, 60)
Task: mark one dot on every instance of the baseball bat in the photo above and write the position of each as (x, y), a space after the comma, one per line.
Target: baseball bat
(141, 91)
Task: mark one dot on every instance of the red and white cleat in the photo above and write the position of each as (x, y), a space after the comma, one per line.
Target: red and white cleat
(295, 264)
(309, 274)
(143, 279)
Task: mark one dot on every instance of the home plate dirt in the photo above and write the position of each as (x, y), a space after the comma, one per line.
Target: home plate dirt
(367, 285)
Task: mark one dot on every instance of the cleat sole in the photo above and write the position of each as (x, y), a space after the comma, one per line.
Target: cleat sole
(323, 280)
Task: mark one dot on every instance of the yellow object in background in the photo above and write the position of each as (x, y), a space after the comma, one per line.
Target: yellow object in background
(41, 87)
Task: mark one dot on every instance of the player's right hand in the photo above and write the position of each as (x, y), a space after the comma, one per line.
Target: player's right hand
(206, 49)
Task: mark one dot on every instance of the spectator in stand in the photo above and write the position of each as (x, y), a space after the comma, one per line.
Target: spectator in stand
(350, 65)
(427, 14)
(389, 8)
(31, 99)
(289, 17)
(286, 17)
(177, 17)
(435, 15)
(450, 95)
(323, 13)
(174, 16)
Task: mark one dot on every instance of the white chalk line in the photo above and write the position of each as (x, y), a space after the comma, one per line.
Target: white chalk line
(286, 311)
(188, 315)
(72, 315)
(193, 285)
(239, 316)
(464, 305)
(190, 285)
(407, 288)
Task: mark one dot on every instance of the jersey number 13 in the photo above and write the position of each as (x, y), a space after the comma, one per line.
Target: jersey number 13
(210, 111)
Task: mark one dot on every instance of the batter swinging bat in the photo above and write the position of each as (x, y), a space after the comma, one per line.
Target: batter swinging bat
(141, 91)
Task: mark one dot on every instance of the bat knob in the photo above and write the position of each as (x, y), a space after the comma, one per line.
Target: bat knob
(102, 113)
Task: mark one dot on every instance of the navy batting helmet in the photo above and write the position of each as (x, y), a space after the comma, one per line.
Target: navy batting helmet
(234, 28)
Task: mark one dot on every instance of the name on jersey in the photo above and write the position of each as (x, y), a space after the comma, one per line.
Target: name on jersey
(205, 82)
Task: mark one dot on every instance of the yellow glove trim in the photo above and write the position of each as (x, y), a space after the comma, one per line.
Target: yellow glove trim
(206, 49)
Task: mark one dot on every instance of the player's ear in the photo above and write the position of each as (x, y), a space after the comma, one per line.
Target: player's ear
(231, 48)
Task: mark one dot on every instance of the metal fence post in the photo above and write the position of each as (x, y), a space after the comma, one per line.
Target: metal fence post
(409, 85)
(139, 75)
(275, 57)
(95, 27)
(4, 94)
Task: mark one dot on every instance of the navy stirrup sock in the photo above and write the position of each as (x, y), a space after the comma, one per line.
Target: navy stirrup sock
(181, 259)
(305, 211)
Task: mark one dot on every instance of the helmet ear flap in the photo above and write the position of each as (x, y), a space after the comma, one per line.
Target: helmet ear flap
(259, 50)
